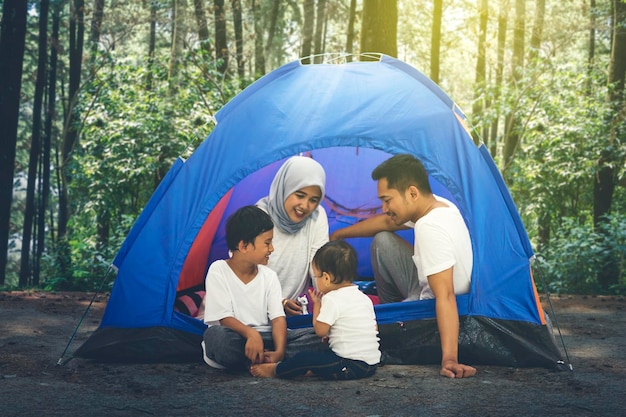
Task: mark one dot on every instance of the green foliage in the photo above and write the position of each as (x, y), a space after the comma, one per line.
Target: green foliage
(132, 133)
(577, 253)
(137, 117)
(90, 260)
(565, 126)
(552, 176)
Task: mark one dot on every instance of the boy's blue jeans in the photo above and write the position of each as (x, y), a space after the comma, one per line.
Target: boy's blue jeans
(325, 364)
(227, 347)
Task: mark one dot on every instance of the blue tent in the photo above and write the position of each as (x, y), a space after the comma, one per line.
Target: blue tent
(349, 117)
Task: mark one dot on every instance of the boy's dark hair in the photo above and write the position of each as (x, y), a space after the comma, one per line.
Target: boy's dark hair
(402, 171)
(246, 224)
(339, 259)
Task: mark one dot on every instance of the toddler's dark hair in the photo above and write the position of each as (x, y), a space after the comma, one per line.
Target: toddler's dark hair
(246, 224)
(339, 259)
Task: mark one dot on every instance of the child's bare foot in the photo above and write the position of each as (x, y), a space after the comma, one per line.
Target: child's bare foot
(263, 370)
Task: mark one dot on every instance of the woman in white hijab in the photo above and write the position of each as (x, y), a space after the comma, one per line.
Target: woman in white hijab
(300, 225)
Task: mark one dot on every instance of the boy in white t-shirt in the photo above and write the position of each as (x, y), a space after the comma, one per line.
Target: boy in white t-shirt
(243, 306)
(343, 315)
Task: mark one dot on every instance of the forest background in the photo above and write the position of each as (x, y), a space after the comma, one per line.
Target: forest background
(99, 97)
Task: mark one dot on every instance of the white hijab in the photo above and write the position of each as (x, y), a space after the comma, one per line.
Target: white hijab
(296, 173)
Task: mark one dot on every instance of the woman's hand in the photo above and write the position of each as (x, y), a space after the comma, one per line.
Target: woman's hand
(292, 307)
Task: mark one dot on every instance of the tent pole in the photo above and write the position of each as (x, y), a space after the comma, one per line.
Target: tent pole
(556, 321)
(62, 361)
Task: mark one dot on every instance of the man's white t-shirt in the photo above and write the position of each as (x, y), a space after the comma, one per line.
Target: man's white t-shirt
(353, 332)
(255, 304)
(442, 241)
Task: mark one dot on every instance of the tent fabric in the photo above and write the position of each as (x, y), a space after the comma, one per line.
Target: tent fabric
(349, 117)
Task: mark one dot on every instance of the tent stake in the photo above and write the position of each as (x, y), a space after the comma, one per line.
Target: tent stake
(62, 361)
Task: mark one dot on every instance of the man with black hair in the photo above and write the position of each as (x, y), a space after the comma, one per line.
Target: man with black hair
(440, 263)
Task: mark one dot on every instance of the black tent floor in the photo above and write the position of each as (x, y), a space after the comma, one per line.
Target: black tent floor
(481, 341)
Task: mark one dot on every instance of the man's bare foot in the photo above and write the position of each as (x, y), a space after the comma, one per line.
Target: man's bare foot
(263, 370)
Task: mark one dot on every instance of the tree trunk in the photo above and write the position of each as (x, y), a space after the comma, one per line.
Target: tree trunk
(272, 29)
(12, 41)
(537, 35)
(319, 30)
(479, 84)
(610, 162)
(543, 229)
(102, 227)
(435, 40)
(259, 57)
(238, 26)
(96, 25)
(151, 44)
(178, 38)
(512, 136)
(70, 137)
(307, 30)
(203, 30)
(35, 145)
(221, 44)
(350, 37)
(47, 146)
(379, 30)
(502, 26)
(592, 34)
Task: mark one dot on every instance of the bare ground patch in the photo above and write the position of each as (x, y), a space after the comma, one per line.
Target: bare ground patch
(36, 326)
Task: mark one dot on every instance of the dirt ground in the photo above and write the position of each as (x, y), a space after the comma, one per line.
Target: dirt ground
(35, 328)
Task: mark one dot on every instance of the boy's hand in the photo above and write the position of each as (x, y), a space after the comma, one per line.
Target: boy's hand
(254, 347)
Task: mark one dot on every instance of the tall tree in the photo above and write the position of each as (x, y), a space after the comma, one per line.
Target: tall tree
(320, 19)
(479, 83)
(350, 37)
(151, 43)
(259, 53)
(47, 143)
(71, 128)
(611, 158)
(238, 26)
(502, 27)
(592, 33)
(307, 30)
(203, 29)
(35, 145)
(96, 27)
(512, 135)
(12, 42)
(379, 30)
(435, 40)
(221, 42)
(178, 40)
(103, 219)
(271, 31)
(537, 33)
